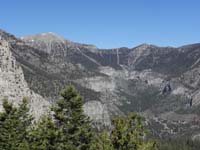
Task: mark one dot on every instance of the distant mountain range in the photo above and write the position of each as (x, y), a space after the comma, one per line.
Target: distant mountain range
(158, 82)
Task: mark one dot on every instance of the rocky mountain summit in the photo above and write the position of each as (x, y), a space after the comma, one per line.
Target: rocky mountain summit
(162, 83)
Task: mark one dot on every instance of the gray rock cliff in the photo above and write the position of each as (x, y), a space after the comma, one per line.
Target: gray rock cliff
(13, 85)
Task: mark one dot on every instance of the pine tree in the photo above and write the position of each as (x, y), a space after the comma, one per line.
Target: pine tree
(69, 116)
(14, 125)
(129, 134)
(46, 136)
(102, 141)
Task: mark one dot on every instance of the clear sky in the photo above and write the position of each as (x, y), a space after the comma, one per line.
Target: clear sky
(106, 23)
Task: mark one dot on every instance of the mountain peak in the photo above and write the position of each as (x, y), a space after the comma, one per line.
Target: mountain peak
(46, 41)
(46, 37)
(50, 41)
(145, 46)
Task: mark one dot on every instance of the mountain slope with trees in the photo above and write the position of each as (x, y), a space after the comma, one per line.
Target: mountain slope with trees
(158, 82)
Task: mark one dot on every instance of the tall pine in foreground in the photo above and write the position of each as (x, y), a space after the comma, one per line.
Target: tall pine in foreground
(70, 118)
(15, 124)
(46, 136)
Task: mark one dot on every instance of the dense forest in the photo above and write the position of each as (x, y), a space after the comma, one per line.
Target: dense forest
(66, 127)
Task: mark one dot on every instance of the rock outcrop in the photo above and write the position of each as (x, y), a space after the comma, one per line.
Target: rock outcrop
(13, 85)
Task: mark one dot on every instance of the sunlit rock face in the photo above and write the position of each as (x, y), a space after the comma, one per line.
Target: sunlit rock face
(13, 85)
(98, 112)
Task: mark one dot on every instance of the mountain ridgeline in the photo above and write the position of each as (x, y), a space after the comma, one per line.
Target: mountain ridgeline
(162, 83)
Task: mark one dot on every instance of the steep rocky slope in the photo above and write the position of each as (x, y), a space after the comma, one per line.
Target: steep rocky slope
(155, 81)
(13, 85)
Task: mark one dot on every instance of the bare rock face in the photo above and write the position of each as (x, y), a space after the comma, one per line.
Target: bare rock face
(13, 85)
(98, 112)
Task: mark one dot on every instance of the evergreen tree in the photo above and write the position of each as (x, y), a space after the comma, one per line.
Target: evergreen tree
(14, 126)
(69, 116)
(46, 136)
(102, 141)
(129, 134)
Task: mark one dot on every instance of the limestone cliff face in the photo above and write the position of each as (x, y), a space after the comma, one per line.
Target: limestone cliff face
(98, 112)
(13, 85)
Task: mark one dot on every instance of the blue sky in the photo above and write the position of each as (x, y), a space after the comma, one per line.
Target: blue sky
(106, 23)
